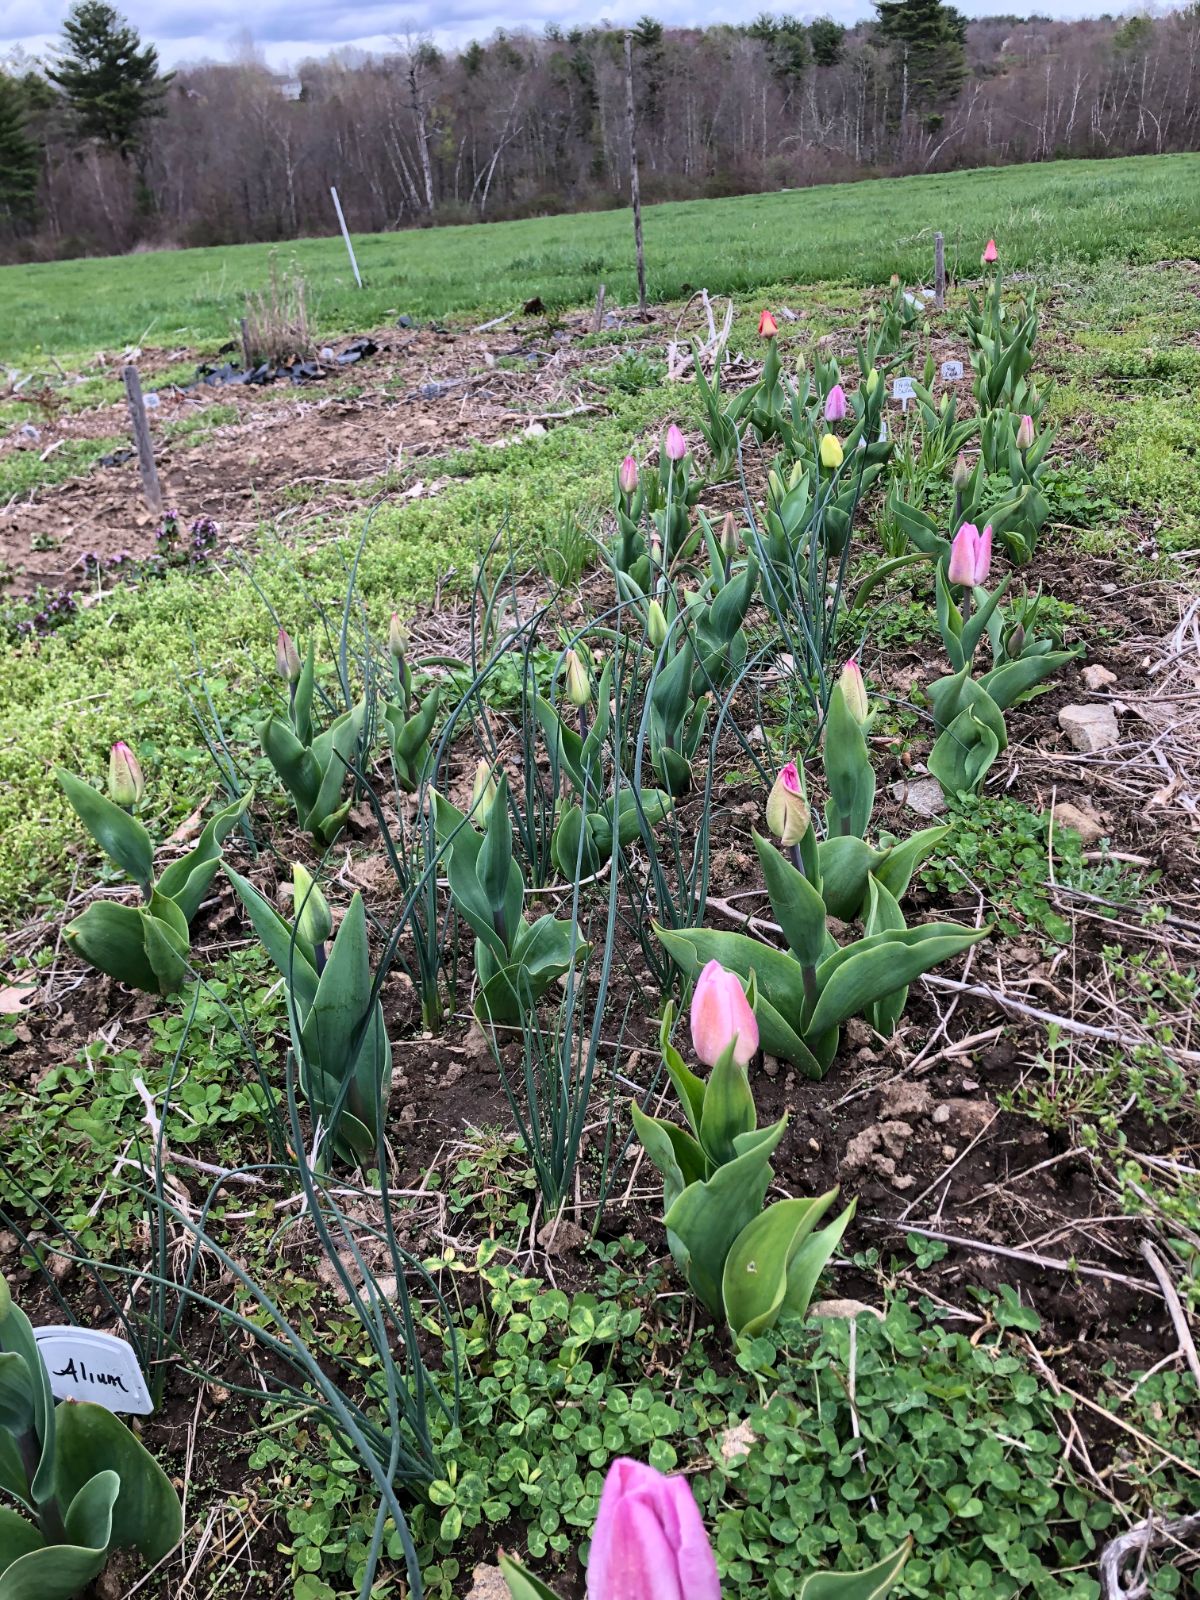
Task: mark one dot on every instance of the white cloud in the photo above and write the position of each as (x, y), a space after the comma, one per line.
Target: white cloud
(286, 33)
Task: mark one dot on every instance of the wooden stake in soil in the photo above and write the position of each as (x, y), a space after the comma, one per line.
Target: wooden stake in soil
(337, 206)
(634, 191)
(939, 270)
(598, 314)
(141, 437)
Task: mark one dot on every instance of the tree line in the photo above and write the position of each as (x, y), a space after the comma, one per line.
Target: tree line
(100, 150)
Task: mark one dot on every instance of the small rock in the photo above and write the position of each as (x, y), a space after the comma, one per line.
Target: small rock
(1097, 677)
(847, 1310)
(903, 1180)
(857, 1032)
(967, 1118)
(1090, 728)
(737, 1441)
(326, 353)
(921, 795)
(535, 430)
(561, 1236)
(454, 1072)
(948, 1152)
(487, 1583)
(894, 1137)
(151, 402)
(29, 430)
(771, 1066)
(905, 1100)
(1083, 822)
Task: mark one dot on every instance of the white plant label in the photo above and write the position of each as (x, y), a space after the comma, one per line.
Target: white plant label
(903, 389)
(86, 1365)
(952, 371)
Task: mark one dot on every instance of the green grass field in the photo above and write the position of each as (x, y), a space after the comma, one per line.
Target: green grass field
(1138, 209)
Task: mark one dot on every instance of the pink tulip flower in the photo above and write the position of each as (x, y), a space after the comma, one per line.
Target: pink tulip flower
(787, 807)
(649, 1542)
(721, 1014)
(970, 556)
(676, 444)
(628, 475)
(1025, 432)
(835, 404)
(767, 326)
(990, 253)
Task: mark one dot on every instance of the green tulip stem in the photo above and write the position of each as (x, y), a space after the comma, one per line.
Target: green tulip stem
(811, 992)
(797, 859)
(966, 604)
(584, 725)
(319, 958)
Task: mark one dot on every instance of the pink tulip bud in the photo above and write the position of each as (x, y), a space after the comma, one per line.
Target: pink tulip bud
(627, 477)
(729, 535)
(767, 326)
(854, 691)
(126, 785)
(676, 444)
(787, 807)
(287, 657)
(649, 1541)
(970, 555)
(1025, 432)
(990, 253)
(721, 1016)
(835, 404)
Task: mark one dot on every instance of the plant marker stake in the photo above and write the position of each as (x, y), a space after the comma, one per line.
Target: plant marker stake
(598, 314)
(337, 206)
(635, 195)
(151, 487)
(939, 270)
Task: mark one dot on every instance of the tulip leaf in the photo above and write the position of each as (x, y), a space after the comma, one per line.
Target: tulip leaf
(289, 955)
(895, 871)
(755, 1279)
(678, 1157)
(186, 881)
(798, 907)
(111, 938)
(18, 1537)
(147, 1512)
(848, 769)
(963, 753)
(16, 1392)
(522, 1585)
(811, 1259)
(1009, 684)
(708, 1217)
(728, 1109)
(122, 837)
(844, 864)
(884, 916)
(870, 1584)
(166, 942)
(878, 965)
(688, 1086)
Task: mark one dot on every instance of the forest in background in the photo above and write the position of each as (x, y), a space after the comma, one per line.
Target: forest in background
(102, 152)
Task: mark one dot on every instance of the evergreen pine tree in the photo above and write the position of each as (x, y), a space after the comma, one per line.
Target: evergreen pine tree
(110, 79)
(826, 37)
(927, 38)
(18, 158)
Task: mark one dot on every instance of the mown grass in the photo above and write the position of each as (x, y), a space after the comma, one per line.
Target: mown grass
(1136, 209)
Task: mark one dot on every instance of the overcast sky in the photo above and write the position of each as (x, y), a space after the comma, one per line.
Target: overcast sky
(286, 31)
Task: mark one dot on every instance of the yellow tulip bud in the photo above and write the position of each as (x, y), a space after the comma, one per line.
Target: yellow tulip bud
(579, 685)
(831, 452)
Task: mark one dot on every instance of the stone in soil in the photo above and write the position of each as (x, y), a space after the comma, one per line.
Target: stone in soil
(1097, 677)
(967, 1118)
(1090, 728)
(921, 795)
(1080, 819)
